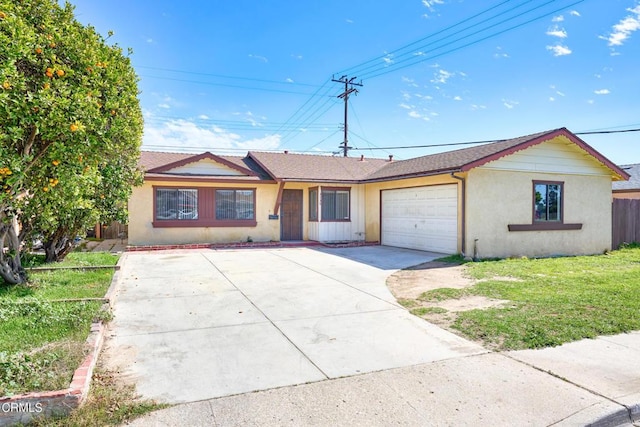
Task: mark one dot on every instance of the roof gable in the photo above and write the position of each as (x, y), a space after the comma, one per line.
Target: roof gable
(468, 158)
(203, 164)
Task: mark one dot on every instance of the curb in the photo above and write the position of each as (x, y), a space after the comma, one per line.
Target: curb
(24, 408)
(622, 417)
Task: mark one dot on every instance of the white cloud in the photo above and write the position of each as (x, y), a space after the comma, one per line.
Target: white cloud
(442, 76)
(557, 32)
(559, 50)
(623, 29)
(558, 18)
(183, 135)
(430, 4)
(509, 104)
(602, 92)
(499, 53)
(259, 57)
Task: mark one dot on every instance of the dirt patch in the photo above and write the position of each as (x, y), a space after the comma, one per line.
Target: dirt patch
(409, 284)
(412, 282)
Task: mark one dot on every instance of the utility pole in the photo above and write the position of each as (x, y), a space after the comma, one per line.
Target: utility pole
(348, 90)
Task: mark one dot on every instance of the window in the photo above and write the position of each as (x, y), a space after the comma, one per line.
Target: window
(234, 204)
(547, 201)
(204, 207)
(176, 204)
(335, 204)
(313, 204)
(548, 209)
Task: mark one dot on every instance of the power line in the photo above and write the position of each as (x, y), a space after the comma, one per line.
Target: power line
(222, 76)
(450, 144)
(224, 85)
(421, 58)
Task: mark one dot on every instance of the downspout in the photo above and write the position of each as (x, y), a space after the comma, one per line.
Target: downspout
(463, 228)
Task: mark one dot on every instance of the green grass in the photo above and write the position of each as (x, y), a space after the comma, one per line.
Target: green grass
(37, 333)
(556, 300)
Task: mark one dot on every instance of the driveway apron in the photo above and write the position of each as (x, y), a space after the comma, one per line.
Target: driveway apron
(198, 324)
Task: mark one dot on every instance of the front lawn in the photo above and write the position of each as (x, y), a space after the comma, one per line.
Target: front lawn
(553, 300)
(43, 325)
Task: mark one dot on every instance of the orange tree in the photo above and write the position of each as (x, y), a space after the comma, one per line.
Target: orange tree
(70, 131)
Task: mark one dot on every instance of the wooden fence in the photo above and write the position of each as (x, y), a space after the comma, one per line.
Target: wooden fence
(625, 221)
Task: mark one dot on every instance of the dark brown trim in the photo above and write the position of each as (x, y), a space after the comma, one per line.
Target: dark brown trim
(206, 209)
(533, 202)
(544, 226)
(197, 158)
(463, 209)
(185, 223)
(276, 208)
(207, 179)
(348, 189)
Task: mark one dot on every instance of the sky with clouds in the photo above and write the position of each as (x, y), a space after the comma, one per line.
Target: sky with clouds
(228, 77)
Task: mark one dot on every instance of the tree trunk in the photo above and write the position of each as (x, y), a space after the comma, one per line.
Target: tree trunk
(10, 264)
(57, 246)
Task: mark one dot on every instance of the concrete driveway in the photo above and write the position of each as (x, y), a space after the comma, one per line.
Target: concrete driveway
(198, 324)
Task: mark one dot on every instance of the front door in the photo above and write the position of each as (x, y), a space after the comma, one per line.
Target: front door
(291, 215)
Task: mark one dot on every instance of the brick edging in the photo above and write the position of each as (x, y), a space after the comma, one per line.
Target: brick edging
(23, 408)
(240, 245)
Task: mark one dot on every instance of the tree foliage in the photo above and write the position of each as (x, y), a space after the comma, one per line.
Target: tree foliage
(70, 132)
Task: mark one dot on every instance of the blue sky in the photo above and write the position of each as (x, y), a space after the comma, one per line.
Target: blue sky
(232, 76)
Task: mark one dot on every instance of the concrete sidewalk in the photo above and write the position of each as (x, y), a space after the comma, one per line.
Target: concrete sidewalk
(591, 382)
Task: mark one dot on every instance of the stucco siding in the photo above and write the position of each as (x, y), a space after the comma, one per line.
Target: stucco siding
(496, 199)
(142, 231)
(372, 200)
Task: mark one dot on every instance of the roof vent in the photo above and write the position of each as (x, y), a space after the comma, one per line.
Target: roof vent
(391, 157)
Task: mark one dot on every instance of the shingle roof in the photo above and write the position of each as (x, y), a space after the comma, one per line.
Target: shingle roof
(307, 167)
(450, 161)
(634, 181)
(150, 160)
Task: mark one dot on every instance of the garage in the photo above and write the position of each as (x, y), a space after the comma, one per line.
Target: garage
(423, 218)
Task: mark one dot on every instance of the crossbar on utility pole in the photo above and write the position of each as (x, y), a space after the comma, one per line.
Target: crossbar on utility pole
(348, 90)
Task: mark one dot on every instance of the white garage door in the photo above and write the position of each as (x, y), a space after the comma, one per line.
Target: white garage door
(424, 218)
